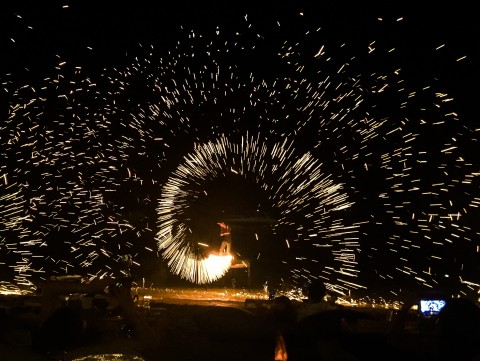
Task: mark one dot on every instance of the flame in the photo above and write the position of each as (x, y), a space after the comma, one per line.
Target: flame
(217, 265)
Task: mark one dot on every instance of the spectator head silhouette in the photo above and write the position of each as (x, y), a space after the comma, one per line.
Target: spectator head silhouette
(316, 291)
(62, 330)
(283, 310)
(459, 330)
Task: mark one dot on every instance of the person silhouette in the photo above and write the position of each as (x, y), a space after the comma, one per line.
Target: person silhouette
(226, 237)
(458, 330)
(315, 303)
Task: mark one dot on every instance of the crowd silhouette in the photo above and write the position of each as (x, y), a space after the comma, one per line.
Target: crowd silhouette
(76, 319)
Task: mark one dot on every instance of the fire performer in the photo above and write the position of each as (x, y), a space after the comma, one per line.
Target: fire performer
(225, 235)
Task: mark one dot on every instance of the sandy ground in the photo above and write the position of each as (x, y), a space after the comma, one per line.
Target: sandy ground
(205, 296)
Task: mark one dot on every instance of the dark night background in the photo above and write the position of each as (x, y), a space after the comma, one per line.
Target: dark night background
(114, 30)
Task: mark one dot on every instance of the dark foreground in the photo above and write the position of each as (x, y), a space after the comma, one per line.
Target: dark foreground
(214, 330)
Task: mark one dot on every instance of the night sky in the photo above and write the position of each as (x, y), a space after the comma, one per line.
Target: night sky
(101, 104)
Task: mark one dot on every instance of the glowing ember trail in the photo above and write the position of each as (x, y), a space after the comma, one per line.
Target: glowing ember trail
(369, 171)
(273, 169)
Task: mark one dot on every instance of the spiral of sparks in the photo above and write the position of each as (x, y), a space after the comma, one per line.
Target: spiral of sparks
(273, 169)
(371, 172)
